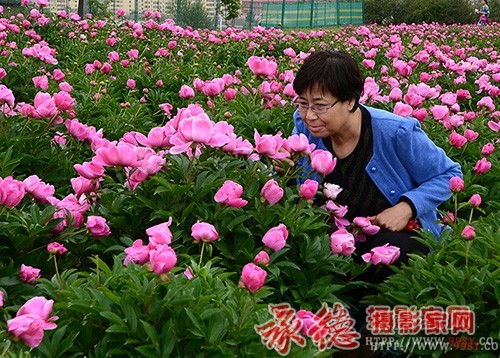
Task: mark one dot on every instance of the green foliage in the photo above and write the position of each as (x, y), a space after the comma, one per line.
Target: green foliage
(152, 316)
(100, 8)
(411, 11)
(108, 309)
(190, 13)
(457, 272)
(232, 8)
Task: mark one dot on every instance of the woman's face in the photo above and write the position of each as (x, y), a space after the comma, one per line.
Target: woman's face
(329, 123)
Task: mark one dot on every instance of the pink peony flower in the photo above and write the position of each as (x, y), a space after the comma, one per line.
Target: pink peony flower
(78, 130)
(494, 126)
(448, 218)
(463, 94)
(162, 258)
(116, 154)
(308, 189)
(41, 82)
(475, 200)
(311, 323)
(44, 104)
(230, 94)
(131, 84)
(420, 114)
(486, 102)
(64, 101)
(83, 185)
(275, 238)
(456, 184)
(188, 273)
(403, 109)
(385, 255)
(31, 320)
(1, 298)
(205, 232)
(439, 112)
(137, 253)
(365, 225)
(323, 162)
(12, 191)
(186, 92)
(470, 135)
(272, 146)
(396, 94)
(482, 166)
(38, 189)
(339, 211)
(29, 274)
(160, 234)
(487, 149)
(342, 242)
(213, 88)
(272, 192)
(253, 277)
(298, 143)
(262, 66)
(6, 96)
(457, 140)
(331, 190)
(199, 129)
(262, 258)
(89, 170)
(56, 248)
(97, 226)
(230, 194)
(469, 232)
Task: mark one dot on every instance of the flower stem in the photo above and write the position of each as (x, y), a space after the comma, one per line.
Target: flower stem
(470, 216)
(456, 205)
(202, 249)
(244, 312)
(189, 176)
(57, 270)
(467, 246)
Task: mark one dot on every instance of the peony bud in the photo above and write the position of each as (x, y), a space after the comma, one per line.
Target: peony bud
(469, 232)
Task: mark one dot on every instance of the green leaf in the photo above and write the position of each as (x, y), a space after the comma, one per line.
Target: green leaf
(237, 221)
(196, 322)
(150, 332)
(115, 328)
(130, 314)
(113, 317)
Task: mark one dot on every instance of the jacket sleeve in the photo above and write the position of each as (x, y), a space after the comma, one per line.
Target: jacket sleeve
(428, 166)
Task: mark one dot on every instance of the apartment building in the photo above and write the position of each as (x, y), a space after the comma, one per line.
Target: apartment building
(133, 8)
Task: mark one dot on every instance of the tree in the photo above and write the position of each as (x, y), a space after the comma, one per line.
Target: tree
(190, 13)
(99, 8)
(231, 8)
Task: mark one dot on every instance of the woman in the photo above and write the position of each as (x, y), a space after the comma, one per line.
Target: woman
(388, 168)
(484, 13)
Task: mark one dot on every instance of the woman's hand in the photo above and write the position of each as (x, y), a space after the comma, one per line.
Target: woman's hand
(394, 218)
(282, 165)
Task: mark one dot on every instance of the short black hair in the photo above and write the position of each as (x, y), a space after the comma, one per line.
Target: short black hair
(331, 71)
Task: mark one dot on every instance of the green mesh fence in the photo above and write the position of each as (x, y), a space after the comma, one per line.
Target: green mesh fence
(299, 14)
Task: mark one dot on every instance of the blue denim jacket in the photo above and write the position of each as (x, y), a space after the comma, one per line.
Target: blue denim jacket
(405, 162)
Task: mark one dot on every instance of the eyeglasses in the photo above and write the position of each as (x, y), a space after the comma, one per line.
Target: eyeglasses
(316, 108)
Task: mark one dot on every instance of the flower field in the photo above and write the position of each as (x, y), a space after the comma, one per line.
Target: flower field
(140, 212)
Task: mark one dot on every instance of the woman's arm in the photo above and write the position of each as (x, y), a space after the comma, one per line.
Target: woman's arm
(429, 167)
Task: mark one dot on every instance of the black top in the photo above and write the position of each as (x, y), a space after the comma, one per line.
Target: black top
(359, 192)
